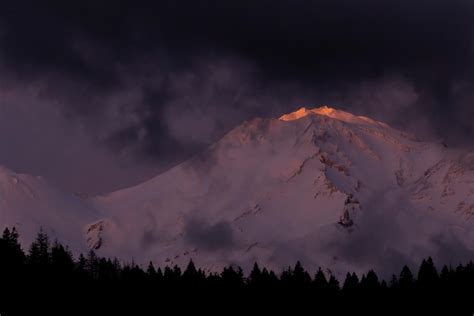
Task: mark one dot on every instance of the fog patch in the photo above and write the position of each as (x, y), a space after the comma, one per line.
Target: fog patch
(209, 237)
(151, 234)
(389, 234)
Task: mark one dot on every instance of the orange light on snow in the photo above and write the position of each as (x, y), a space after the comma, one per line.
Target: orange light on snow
(302, 112)
(329, 112)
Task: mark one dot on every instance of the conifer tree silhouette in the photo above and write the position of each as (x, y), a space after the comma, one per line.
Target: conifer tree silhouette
(351, 283)
(103, 278)
(406, 280)
(320, 282)
(151, 269)
(12, 257)
(62, 262)
(370, 282)
(255, 278)
(333, 284)
(427, 275)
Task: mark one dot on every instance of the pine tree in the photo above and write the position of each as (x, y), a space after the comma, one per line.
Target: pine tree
(351, 283)
(427, 275)
(177, 271)
(168, 274)
(300, 276)
(12, 259)
(191, 275)
(159, 274)
(255, 278)
(6, 234)
(106, 270)
(92, 266)
(269, 278)
(172, 275)
(62, 262)
(151, 270)
(333, 284)
(190, 270)
(394, 282)
(320, 282)
(370, 282)
(13, 256)
(406, 281)
(447, 278)
(81, 269)
(232, 279)
(286, 276)
(39, 255)
(383, 286)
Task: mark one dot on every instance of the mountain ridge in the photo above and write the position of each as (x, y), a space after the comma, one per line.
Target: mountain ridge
(322, 186)
(337, 165)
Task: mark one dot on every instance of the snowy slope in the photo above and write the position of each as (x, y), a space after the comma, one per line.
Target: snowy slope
(29, 202)
(322, 186)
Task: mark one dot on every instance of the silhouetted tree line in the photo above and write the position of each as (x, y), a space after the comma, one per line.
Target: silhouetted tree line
(48, 275)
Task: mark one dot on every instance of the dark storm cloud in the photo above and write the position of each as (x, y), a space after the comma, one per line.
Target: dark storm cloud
(318, 39)
(156, 81)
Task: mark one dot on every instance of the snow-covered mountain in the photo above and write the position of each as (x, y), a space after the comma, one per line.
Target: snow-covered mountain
(30, 203)
(322, 186)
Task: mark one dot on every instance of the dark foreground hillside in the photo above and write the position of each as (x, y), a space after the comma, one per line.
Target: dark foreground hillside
(48, 280)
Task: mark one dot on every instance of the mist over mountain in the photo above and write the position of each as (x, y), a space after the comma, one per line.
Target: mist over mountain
(323, 186)
(103, 95)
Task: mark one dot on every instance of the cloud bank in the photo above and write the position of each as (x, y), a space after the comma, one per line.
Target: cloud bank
(125, 91)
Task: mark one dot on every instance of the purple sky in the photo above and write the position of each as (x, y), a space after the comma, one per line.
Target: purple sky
(101, 96)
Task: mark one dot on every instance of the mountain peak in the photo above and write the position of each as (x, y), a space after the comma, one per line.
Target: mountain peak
(329, 112)
(303, 111)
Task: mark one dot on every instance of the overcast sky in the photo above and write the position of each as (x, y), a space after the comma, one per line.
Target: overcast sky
(97, 95)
